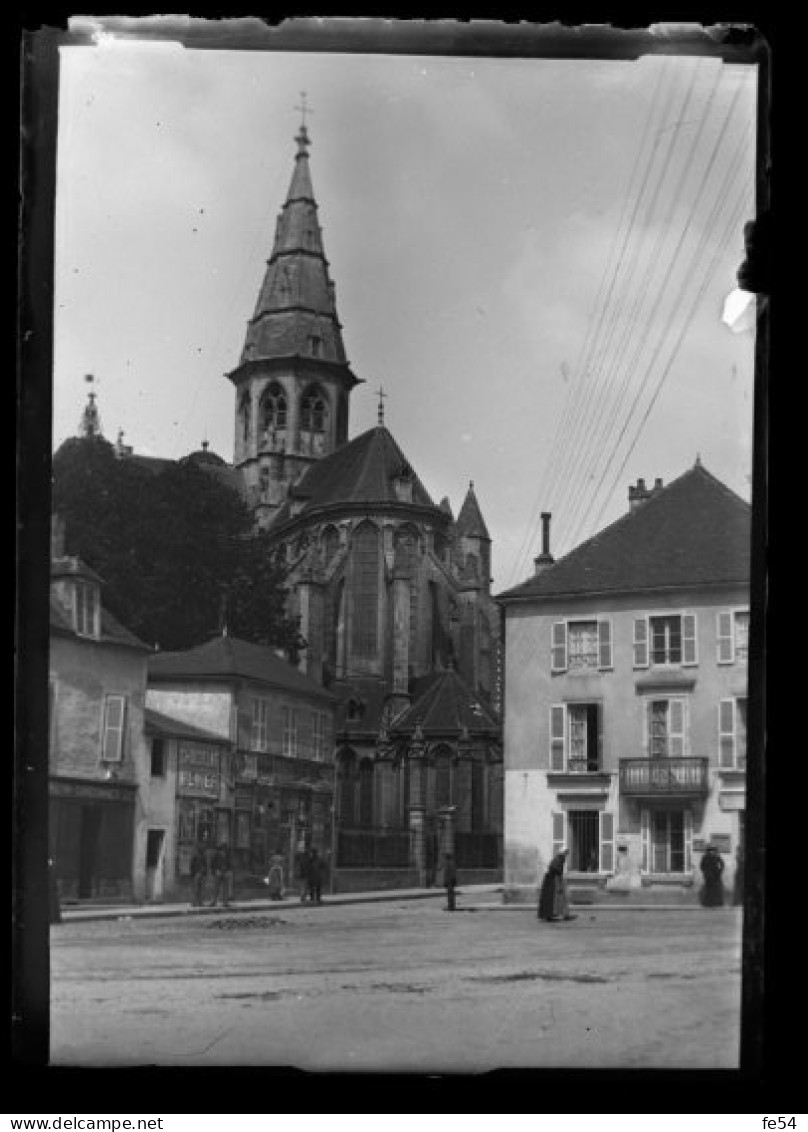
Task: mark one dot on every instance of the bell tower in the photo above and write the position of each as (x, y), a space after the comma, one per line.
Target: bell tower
(293, 381)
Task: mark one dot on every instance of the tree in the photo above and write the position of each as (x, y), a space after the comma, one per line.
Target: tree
(175, 547)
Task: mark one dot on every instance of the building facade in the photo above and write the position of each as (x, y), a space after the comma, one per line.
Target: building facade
(260, 777)
(625, 701)
(97, 757)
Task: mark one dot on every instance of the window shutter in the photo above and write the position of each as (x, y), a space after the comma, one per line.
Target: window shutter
(726, 733)
(646, 840)
(114, 718)
(726, 642)
(559, 648)
(690, 652)
(640, 642)
(676, 725)
(605, 643)
(688, 841)
(606, 841)
(558, 719)
(254, 730)
(559, 832)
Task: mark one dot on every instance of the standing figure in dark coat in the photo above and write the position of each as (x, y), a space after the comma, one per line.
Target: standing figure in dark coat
(737, 884)
(199, 872)
(712, 866)
(315, 877)
(275, 877)
(220, 866)
(450, 880)
(302, 872)
(553, 900)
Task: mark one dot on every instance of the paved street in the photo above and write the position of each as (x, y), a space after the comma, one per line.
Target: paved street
(400, 986)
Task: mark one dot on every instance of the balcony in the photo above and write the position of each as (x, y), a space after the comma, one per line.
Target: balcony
(665, 778)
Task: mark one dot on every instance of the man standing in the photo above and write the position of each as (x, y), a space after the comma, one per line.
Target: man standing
(315, 877)
(220, 866)
(199, 870)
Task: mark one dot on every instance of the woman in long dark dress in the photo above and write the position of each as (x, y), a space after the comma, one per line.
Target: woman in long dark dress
(553, 901)
(712, 866)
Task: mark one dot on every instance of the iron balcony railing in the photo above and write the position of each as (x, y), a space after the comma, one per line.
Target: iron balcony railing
(667, 777)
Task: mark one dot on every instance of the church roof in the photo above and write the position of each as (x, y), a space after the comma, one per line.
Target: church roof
(296, 311)
(470, 521)
(447, 707)
(362, 471)
(694, 532)
(228, 658)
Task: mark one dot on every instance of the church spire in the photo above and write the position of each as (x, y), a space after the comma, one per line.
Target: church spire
(90, 420)
(296, 313)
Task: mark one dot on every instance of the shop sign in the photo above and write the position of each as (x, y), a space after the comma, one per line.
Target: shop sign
(722, 842)
(732, 801)
(91, 791)
(198, 755)
(199, 782)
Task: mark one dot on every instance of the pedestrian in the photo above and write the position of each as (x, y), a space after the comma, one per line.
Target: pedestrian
(449, 880)
(712, 866)
(737, 883)
(275, 877)
(553, 900)
(315, 877)
(54, 907)
(220, 867)
(302, 871)
(199, 873)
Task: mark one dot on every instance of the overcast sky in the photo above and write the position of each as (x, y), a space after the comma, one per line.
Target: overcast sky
(531, 256)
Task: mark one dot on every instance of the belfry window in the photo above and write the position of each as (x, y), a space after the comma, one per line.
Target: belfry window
(313, 412)
(273, 408)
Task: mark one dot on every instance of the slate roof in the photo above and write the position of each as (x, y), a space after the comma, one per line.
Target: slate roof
(296, 301)
(470, 521)
(693, 533)
(160, 724)
(362, 471)
(229, 658)
(446, 707)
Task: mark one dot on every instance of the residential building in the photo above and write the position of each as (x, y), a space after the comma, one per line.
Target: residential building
(258, 773)
(625, 695)
(97, 758)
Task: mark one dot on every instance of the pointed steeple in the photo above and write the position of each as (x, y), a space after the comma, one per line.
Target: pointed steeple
(470, 522)
(296, 312)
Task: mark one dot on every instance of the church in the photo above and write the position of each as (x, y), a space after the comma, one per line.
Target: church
(392, 592)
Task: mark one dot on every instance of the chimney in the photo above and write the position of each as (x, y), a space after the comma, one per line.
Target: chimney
(639, 494)
(657, 485)
(545, 559)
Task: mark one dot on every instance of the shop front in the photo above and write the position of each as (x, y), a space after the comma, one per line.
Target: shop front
(91, 827)
(204, 816)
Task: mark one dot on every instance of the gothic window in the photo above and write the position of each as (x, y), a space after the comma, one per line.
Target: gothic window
(245, 413)
(366, 792)
(330, 544)
(443, 779)
(315, 342)
(336, 629)
(366, 558)
(273, 408)
(313, 412)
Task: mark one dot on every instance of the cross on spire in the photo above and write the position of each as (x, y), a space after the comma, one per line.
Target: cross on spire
(381, 395)
(304, 109)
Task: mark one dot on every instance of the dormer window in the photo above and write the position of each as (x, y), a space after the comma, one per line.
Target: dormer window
(86, 609)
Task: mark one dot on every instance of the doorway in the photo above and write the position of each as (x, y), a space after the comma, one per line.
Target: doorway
(89, 835)
(155, 841)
